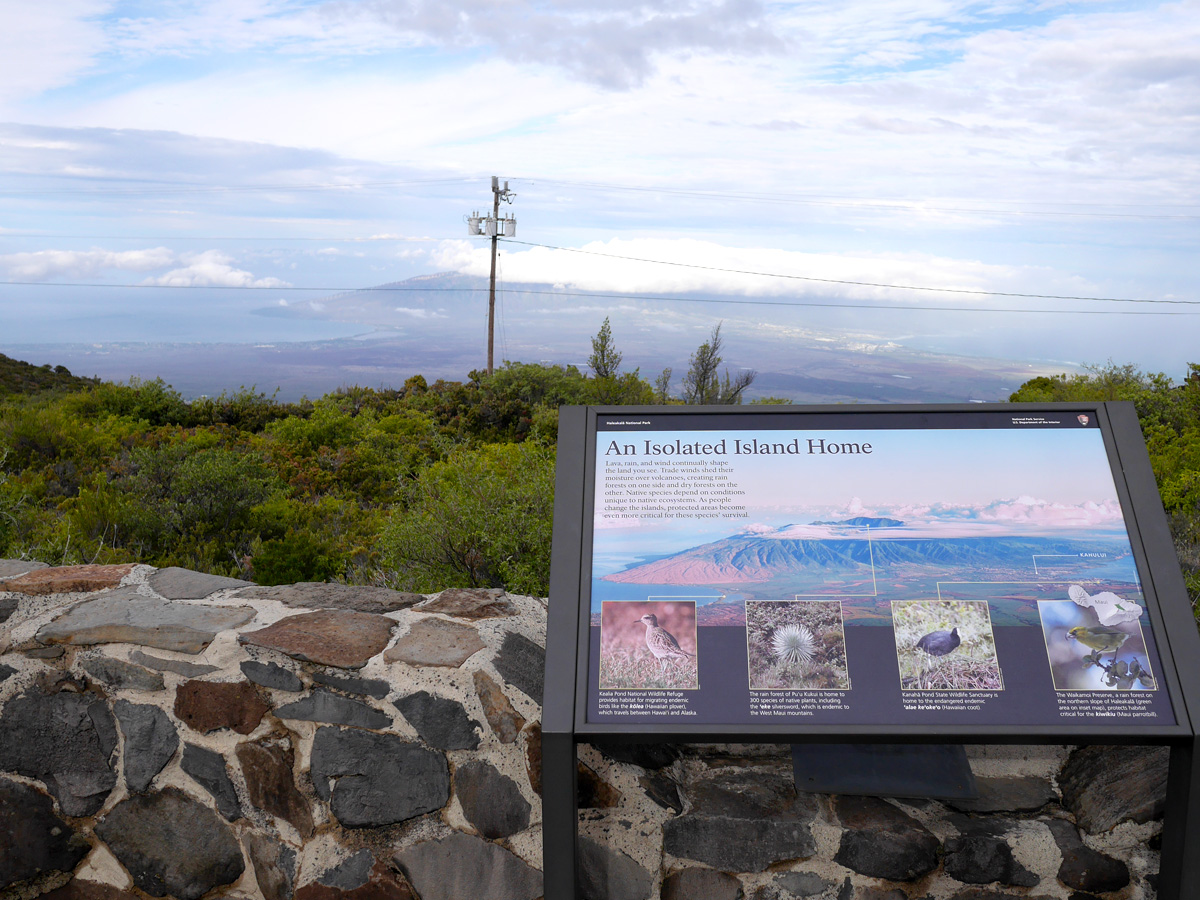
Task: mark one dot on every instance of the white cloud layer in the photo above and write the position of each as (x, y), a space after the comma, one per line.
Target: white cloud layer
(212, 268)
(45, 265)
(614, 266)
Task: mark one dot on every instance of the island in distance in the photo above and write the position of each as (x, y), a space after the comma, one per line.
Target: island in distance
(869, 573)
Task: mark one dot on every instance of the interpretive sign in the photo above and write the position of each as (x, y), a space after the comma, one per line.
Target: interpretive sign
(946, 568)
(982, 573)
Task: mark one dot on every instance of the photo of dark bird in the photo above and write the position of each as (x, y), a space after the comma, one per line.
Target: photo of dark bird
(661, 642)
(939, 643)
(1099, 638)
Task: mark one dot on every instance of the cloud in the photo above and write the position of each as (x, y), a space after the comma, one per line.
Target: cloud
(47, 45)
(611, 43)
(44, 265)
(684, 265)
(212, 268)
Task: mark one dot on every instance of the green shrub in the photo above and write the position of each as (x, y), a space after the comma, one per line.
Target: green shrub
(480, 518)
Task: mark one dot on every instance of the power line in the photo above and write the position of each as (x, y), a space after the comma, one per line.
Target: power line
(203, 237)
(899, 287)
(184, 188)
(874, 203)
(646, 298)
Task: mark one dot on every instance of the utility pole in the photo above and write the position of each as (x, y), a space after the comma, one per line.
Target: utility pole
(495, 227)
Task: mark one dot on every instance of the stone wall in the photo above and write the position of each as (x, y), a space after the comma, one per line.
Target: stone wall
(167, 733)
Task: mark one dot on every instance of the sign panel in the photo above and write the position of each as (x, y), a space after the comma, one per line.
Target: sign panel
(961, 568)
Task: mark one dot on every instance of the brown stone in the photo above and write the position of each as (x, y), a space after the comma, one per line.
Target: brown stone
(382, 884)
(67, 580)
(471, 603)
(533, 756)
(340, 638)
(76, 889)
(205, 706)
(506, 722)
(435, 642)
(594, 791)
(271, 786)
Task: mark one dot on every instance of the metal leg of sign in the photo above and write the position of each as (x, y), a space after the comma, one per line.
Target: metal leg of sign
(1179, 862)
(560, 809)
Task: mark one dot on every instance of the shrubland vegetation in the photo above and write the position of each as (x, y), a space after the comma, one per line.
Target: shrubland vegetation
(1169, 414)
(420, 487)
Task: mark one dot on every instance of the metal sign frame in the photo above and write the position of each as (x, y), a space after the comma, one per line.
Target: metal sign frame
(564, 723)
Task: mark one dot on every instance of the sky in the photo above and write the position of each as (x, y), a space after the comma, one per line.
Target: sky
(191, 162)
(1039, 481)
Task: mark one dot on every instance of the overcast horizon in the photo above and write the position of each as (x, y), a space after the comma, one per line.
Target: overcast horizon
(1007, 179)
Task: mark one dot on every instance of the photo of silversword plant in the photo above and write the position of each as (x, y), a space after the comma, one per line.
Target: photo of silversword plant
(946, 645)
(796, 645)
(648, 645)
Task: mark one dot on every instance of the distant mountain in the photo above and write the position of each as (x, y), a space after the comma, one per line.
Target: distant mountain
(866, 522)
(17, 377)
(747, 558)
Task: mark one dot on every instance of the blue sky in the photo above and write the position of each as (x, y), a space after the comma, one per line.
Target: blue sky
(266, 145)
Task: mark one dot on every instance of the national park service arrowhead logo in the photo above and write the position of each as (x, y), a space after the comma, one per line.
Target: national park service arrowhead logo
(1083, 419)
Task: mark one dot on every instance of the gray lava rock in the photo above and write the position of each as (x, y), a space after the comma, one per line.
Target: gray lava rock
(121, 675)
(351, 873)
(125, 616)
(65, 740)
(178, 666)
(11, 568)
(6, 672)
(150, 742)
(883, 842)
(522, 663)
(1013, 793)
(270, 675)
(207, 768)
(983, 860)
(378, 779)
(440, 722)
(319, 595)
(743, 822)
(492, 802)
(171, 844)
(33, 840)
(184, 584)
(1085, 869)
(608, 874)
(274, 866)
(701, 884)
(461, 866)
(370, 687)
(1105, 786)
(332, 709)
(803, 884)
(8, 606)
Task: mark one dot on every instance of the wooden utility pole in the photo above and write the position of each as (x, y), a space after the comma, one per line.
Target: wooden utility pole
(494, 227)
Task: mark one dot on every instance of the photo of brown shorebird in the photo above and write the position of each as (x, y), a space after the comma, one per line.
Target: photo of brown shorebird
(649, 645)
(661, 642)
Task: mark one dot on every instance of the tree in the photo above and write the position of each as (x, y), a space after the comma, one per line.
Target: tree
(701, 383)
(662, 386)
(605, 360)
